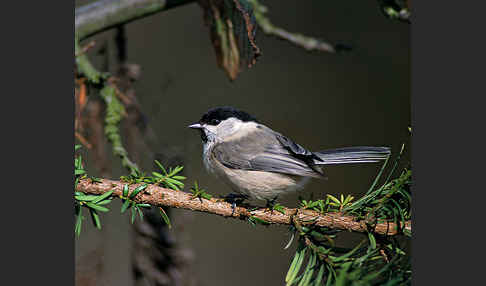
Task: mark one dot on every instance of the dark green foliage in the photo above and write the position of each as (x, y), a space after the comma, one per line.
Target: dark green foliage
(365, 264)
(167, 179)
(93, 203)
(96, 203)
(165, 217)
(391, 201)
(129, 203)
(253, 220)
(330, 204)
(199, 193)
(377, 260)
(278, 207)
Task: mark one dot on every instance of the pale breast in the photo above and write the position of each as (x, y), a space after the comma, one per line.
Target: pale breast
(262, 185)
(255, 184)
(207, 159)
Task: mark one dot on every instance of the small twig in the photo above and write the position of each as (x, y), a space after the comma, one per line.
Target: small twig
(383, 254)
(85, 48)
(158, 196)
(306, 42)
(114, 82)
(82, 140)
(82, 93)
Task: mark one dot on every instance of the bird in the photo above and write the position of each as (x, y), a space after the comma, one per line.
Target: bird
(260, 163)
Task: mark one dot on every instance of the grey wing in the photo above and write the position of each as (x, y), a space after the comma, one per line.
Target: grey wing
(262, 150)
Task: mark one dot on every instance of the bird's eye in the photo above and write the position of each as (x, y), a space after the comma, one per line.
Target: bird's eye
(215, 121)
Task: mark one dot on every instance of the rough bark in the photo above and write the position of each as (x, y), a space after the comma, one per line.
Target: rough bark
(106, 14)
(158, 196)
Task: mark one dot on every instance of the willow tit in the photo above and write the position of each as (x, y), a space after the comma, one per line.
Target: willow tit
(260, 163)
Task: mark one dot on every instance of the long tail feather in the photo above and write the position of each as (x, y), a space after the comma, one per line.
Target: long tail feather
(348, 155)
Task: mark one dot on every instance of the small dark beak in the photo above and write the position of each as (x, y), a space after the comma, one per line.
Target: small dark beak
(195, 126)
(199, 127)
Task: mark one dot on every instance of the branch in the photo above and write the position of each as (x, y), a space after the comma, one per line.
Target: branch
(158, 196)
(114, 108)
(306, 42)
(102, 15)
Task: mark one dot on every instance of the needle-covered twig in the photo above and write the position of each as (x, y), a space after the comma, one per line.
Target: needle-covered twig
(158, 196)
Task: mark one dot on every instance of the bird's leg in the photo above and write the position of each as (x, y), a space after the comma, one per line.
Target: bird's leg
(271, 203)
(234, 199)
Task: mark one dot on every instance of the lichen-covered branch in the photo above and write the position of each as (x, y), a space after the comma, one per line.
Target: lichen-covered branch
(114, 108)
(158, 196)
(114, 113)
(84, 65)
(102, 15)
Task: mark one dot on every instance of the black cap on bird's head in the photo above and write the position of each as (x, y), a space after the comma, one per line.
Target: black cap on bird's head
(218, 114)
(215, 115)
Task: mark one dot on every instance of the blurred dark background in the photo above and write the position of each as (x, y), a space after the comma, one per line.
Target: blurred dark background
(320, 100)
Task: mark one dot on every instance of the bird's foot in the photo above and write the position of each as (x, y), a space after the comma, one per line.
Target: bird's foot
(235, 199)
(272, 205)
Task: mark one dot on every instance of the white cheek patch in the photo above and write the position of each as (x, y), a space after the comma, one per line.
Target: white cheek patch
(229, 129)
(211, 128)
(223, 129)
(210, 132)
